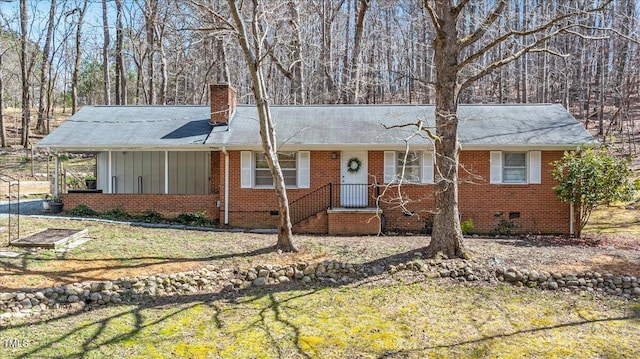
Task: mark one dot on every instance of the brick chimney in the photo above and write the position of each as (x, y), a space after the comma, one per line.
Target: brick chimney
(223, 103)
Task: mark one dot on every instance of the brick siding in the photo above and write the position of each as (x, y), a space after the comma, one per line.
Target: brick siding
(486, 204)
(169, 205)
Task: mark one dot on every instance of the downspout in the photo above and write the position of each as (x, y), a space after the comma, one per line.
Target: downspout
(226, 185)
(572, 212)
(571, 224)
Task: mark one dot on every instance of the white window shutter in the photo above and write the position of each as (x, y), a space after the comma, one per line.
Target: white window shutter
(535, 167)
(389, 166)
(427, 167)
(246, 169)
(304, 169)
(496, 167)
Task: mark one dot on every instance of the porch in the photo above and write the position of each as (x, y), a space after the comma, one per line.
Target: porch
(338, 209)
(168, 182)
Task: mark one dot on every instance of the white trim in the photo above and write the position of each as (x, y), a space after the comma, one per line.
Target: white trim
(56, 183)
(226, 185)
(166, 172)
(495, 167)
(535, 167)
(428, 162)
(303, 167)
(246, 169)
(109, 174)
(389, 166)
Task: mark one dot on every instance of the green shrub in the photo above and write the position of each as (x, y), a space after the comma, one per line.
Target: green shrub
(151, 216)
(503, 228)
(195, 219)
(117, 214)
(590, 178)
(466, 226)
(82, 211)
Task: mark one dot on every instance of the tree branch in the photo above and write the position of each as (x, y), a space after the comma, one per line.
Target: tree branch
(496, 64)
(484, 26)
(437, 26)
(548, 25)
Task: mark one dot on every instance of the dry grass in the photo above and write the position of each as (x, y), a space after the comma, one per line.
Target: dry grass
(411, 318)
(388, 316)
(119, 250)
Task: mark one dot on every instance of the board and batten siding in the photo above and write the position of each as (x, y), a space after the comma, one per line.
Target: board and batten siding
(189, 171)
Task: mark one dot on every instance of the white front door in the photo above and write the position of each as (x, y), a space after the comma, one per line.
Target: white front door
(354, 172)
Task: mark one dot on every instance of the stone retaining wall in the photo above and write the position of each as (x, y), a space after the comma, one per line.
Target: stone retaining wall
(212, 278)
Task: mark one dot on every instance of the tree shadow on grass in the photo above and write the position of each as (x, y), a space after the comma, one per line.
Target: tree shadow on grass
(404, 353)
(108, 329)
(185, 302)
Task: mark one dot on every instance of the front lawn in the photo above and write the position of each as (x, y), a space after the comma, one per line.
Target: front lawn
(404, 315)
(402, 318)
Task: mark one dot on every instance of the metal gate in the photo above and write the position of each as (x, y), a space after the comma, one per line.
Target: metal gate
(10, 212)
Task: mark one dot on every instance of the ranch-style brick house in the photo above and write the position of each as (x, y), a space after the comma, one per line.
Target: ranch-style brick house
(342, 167)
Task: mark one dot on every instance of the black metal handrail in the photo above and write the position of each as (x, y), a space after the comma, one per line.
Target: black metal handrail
(310, 204)
(333, 195)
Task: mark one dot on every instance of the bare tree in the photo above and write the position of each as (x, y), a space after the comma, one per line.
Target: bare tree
(105, 55)
(44, 68)
(24, 75)
(351, 86)
(120, 77)
(78, 58)
(150, 13)
(455, 58)
(253, 50)
(3, 130)
(252, 40)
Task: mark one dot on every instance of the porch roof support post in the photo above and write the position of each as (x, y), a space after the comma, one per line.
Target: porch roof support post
(166, 172)
(56, 190)
(109, 174)
(226, 186)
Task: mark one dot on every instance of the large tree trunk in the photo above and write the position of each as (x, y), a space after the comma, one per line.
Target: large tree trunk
(105, 55)
(76, 65)
(297, 63)
(150, 18)
(446, 237)
(43, 93)
(120, 78)
(24, 75)
(3, 131)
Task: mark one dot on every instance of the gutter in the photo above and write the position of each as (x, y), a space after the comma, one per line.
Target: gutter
(226, 185)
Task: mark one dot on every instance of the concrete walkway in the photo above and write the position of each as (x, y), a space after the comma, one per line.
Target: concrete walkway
(27, 207)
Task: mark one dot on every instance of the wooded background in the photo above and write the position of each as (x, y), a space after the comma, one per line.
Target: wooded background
(69, 53)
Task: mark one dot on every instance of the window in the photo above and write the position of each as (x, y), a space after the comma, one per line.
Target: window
(254, 171)
(287, 164)
(514, 167)
(411, 166)
(418, 167)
